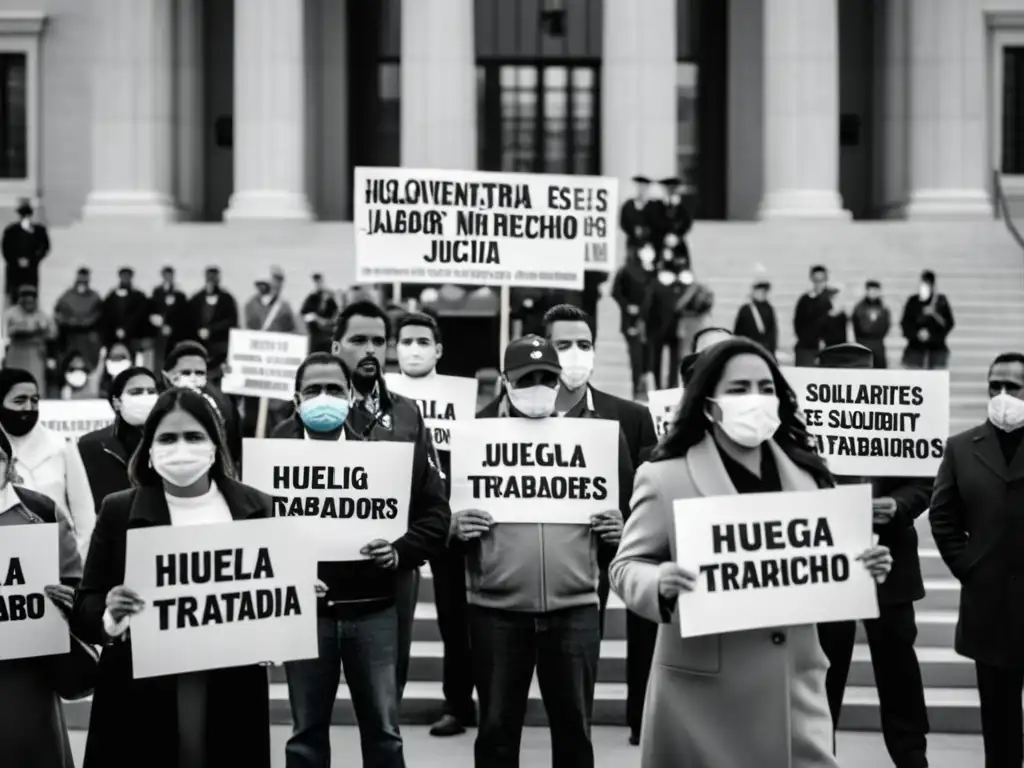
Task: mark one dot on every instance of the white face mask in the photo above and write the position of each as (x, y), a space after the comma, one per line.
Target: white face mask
(76, 379)
(135, 409)
(533, 402)
(686, 277)
(181, 464)
(116, 367)
(925, 292)
(1006, 412)
(577, 366)
(414, 360)
(666, 277)
(749, 420)
(192, 382)
(646, 256)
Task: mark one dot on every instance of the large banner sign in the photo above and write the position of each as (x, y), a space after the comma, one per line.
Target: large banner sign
(536, 470)
(30, 625)
(263, 363)
(663, 404)
(74, 418)
(339, 494)
(220, 595)
(438, 226)
(875, 423)
(441, 400)
(775, 559)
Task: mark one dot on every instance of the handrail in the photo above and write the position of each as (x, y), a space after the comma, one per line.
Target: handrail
(1003, 207)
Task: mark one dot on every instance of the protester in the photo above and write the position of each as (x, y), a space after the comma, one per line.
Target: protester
(980, 536)
(628, 289)
(117, 358)
(181, 475)
(359, 622)
(318, 312)
(78, 314)
(268, 310)
(927, 322)
(168, 317)
(660, 322)
(813, 315)
(525, 615)
(97, 464)
(126, 314)
(33, 732)
(674, 221)
(214, 312)
(25, 244)
(756, 320)
(734, 698)
(871, 321)
(30, 333)
(637, 219)
(79, 382)
(898, 502)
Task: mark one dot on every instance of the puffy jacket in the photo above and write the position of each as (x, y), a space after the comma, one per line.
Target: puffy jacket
(535, 567)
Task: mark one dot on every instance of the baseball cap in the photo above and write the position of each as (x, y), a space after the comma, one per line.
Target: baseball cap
(530, 353)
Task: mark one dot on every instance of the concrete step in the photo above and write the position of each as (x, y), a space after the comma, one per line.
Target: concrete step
(940, 668)
(950, 710)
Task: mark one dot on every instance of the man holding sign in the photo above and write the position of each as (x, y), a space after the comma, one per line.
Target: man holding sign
(539, 498)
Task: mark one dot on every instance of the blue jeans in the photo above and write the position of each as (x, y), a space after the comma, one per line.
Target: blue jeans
(367, 646)
(564, 647)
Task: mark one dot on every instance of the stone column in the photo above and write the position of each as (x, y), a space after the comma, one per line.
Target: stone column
(270, 112)
(438, 85)
(190, 124)
(891, 164)
(638, 91)
(801, 110)
(132, 111)
(948, 145)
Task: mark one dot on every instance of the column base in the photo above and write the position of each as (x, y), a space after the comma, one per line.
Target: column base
(803, 204)
(131, 205)
(960, 204)
(275, 206)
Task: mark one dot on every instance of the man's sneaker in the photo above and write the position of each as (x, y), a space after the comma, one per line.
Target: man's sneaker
(448, 725)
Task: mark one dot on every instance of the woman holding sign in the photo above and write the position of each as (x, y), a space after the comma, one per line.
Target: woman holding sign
(743, 698)
(182, 475)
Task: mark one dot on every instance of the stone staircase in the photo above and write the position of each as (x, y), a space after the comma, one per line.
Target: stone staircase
(979, 268)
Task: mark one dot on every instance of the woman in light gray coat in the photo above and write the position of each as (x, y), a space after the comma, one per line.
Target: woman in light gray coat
(741, 699)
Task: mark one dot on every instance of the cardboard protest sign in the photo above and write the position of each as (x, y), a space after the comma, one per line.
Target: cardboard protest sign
(447, 226)
(875, 423)
(340, 494)
(663, 404)
(263, 363)
(441, 400)
(536, 470)
(775, 559)
(30, 625)
(220, 595)
(74, 418)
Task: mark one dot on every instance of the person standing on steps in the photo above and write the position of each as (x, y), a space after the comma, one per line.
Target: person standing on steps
(811, 320)
(756, 320)
(214, 312)
(24, 246)
(638, 217)
(168, 310)
(927, 322)
(871, 322)
(628, 289)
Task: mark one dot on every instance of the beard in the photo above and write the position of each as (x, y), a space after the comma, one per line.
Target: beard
(366, 375)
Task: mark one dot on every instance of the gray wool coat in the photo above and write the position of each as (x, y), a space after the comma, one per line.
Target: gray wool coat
(735, 700)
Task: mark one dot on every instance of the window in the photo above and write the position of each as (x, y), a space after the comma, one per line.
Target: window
(19, 105)
(389, 142)
(686, 122)
(13, 116)
(1013, 111)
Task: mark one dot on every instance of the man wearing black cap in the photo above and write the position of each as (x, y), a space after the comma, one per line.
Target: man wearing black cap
(871, 321)
(214, 312)
(525, 614)
(927, 322)
(756, 319)
(25, 244)
(126, 313)
(898, 502)
(168, 316)
(674, 219)
(637, 217)
(77, 314)
(318, 312)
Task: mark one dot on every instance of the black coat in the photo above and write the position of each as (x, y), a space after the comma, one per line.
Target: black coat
(172, 306)
(934, 316)
(126, 319)
(136, 720)
(105, 455)
(629, 290)
(217, 320)
(639, 224)
(746, 324)
(978, 526)
(23, 251)
(634, 420)
(811, 320)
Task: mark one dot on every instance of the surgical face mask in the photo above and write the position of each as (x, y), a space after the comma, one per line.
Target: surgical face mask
(924, 292)
(135, 409)
(667, 277)
(646, 256)
(686, 277)
(577, 366)
(415, 359)
(749, 420)
(533, 402)
(324, 413)
(77, 378)
(1006, 412)
(181, 464)
(192, 381)
(116, 367)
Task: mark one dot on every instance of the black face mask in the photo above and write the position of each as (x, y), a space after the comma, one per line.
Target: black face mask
(18, 423)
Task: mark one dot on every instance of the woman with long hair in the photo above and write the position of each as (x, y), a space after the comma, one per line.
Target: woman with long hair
(737, 699)
(182, 474)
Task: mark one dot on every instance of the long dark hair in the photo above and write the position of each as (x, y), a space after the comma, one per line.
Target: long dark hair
(195, 404)
(691, 423)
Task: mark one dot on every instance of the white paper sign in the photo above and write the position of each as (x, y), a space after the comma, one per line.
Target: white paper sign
(875, 423)
(220, 595)
(516, 229)
(664, 404)
(340, 494)
(536, 470)
(775, 559)
(263, 363)
(441, 400)
(74, 418)
(30, 625)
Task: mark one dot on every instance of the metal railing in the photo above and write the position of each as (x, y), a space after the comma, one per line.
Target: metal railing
(1003, 208)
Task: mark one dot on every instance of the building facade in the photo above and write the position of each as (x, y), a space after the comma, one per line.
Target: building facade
(224, 110)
